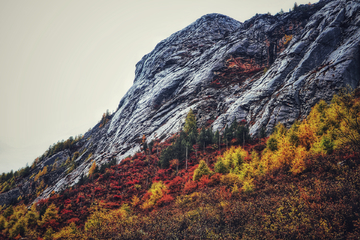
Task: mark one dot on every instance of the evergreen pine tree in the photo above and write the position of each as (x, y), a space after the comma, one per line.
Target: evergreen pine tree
(201, 170)
(190, 122)
(202, 138)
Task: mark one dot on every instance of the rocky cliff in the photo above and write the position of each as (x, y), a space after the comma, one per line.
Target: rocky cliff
(267, 70)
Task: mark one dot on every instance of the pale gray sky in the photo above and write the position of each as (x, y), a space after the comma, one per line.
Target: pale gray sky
(64, 63)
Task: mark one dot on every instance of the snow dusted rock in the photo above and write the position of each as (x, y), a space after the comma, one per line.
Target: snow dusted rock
(267, 70)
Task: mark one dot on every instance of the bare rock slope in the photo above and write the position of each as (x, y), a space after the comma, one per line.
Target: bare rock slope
(267, 70)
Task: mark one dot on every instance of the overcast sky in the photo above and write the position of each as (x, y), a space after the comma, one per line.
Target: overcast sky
(64, 63)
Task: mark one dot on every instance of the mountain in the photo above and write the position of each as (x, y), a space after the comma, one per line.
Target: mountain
(267, 70)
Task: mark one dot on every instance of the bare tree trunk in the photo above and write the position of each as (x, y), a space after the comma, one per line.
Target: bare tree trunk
(177, 167)
(243, 138)
(219, 141)
(186, 156)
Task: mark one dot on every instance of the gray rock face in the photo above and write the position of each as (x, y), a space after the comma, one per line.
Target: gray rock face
(267, 70)
(8, 197)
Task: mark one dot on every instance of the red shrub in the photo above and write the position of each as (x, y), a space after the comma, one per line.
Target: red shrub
(66, 212)
(117, 197)
(114, 186)
(98, 189)
(52, 223)
(112, 205)
(43, 202)
(204, 181)
(215, 179)
(165, 200)
(72, 220)
(157, 178)
(190, 187)
(175, 184)
(138, 163)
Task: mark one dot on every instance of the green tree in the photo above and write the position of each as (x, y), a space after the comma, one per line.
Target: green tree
(262, 133)
(295, 6)
(272, 144)
(209, 136)
(242, 134)
(220, 167)
(166, 156)
(346, 110)
(190, 122)
(75, 156)
(32, 217)
(202, 138)
(8, 212)
(49, 234)
(18, 228)
(51, 213)
(2, 222)
(216, 137)
(201, 170)
(151, 145)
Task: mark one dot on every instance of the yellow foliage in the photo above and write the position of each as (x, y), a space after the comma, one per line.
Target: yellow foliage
(32, 217)
(16, 223)
(135, 201)
(183, 200)
(18, 228)
(92, 168)
(248, 185)
(287, 39)
(88, 157)
(67, 162)
(40, 188)
(337, 125)
(298, 163)
(51, 213)
(97, 223)
(190, 122)
(326, 128)
(37, 176)
(41, 173)
(224, 204)
(102, 223)
(68, 232)
(201, 170)
(235, 190)
(307, 134)
(49, 233)
(44, 171)
(230, 179)
(2, 222)
(157, 191)
(233, 158)
(346, 108)
(254, 168)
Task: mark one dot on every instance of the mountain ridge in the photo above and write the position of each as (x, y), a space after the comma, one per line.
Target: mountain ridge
(179, 75)
(267, 70)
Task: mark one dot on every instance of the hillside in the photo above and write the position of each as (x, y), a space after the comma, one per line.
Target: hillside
(301, 182)
(230, 130)
(267, 70)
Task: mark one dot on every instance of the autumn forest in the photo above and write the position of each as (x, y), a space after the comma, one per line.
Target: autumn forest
(297, 183)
